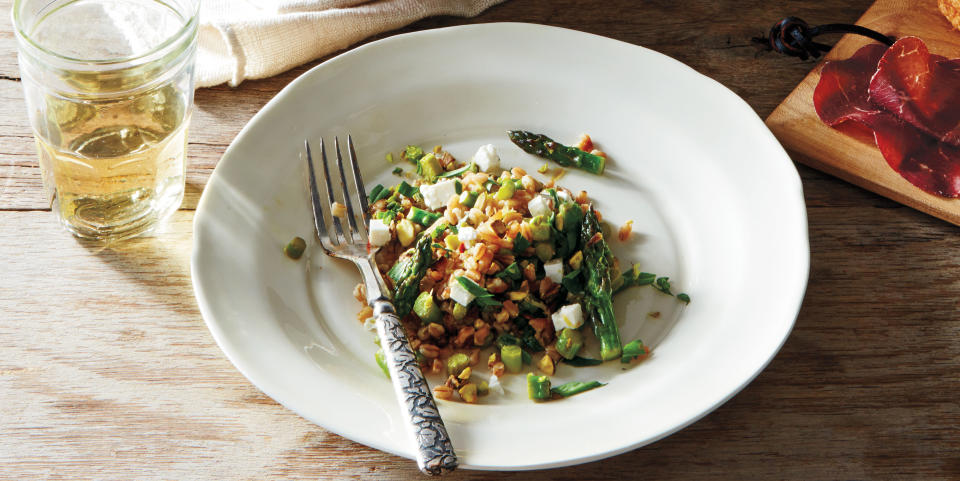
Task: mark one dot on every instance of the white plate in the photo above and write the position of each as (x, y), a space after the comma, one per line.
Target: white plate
(717, 203)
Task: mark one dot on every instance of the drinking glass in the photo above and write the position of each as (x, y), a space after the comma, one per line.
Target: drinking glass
(109, 90)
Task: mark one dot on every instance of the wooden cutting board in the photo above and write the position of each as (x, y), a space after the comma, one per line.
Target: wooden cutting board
(857, 160)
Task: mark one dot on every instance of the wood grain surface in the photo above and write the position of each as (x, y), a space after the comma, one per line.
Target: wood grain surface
(796, 124)
(108, 372)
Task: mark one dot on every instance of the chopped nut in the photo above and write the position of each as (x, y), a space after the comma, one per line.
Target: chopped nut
(546, 365)
(437, 366)
(480, 336)
(511, 308)
(468, 393)
(465, 334)
(493, 359)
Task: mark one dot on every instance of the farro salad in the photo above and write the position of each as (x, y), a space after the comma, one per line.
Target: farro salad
(492, 269)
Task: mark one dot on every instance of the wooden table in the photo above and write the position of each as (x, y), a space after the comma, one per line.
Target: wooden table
(107, 370)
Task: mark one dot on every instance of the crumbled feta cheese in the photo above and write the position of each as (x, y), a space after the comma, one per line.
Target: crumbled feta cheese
(437, 195)
(494, 385)
(570, 316)
(487, 159)
(554, 270)
(379, 232)
(459, 294)
(563, 195)
(540, 205)
(466, 235)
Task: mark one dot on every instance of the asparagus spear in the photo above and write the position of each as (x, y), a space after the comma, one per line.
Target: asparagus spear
(598, 299)
(407, 273)
(543, 146)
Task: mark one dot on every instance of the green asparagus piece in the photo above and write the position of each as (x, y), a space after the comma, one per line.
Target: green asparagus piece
(543, 146)
(538, 387)
(426, 308)
(512, 357)
(569, 342)
(407, 273)
(598, 299)
(294, 249)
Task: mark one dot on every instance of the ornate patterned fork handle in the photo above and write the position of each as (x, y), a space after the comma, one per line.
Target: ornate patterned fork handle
(435, 453)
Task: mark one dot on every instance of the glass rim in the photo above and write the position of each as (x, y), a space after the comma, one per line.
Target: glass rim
(190, 25)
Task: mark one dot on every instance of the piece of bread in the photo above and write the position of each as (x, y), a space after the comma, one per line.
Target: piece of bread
(951, 10)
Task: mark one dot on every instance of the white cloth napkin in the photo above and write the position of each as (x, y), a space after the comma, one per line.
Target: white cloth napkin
(249, 39)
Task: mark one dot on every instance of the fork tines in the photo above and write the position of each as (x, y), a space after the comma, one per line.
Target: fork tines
(355, 232)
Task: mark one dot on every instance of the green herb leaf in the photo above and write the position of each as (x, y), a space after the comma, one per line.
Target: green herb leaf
(633, 350)
(575, 387)
(683, 296)
(520, 243)
(662, 284)
(511, 272)
(483, 297)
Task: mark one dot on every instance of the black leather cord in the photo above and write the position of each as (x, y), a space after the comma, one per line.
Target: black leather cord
(792, 36)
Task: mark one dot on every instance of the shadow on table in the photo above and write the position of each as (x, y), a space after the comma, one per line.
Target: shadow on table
(158, 265)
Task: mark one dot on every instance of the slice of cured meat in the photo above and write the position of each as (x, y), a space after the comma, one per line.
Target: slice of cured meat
(843, 91)
(920, 88)
(926, 163)
(925, 156)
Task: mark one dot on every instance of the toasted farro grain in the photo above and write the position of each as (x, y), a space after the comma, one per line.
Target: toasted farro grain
(530, 272)
(338, 210)
(443, 392)
(436, 330)
(474, 357)
(429, 351)
(498, 368)
(493, 359)
(529, 183)
(497, 285)
(518, 172)
(582, 197)
(423, 333)
(437, 366)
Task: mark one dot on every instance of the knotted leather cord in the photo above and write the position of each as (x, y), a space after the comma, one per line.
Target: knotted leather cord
(792, 36)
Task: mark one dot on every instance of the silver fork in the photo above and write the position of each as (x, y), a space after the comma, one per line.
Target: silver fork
(435, 453)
